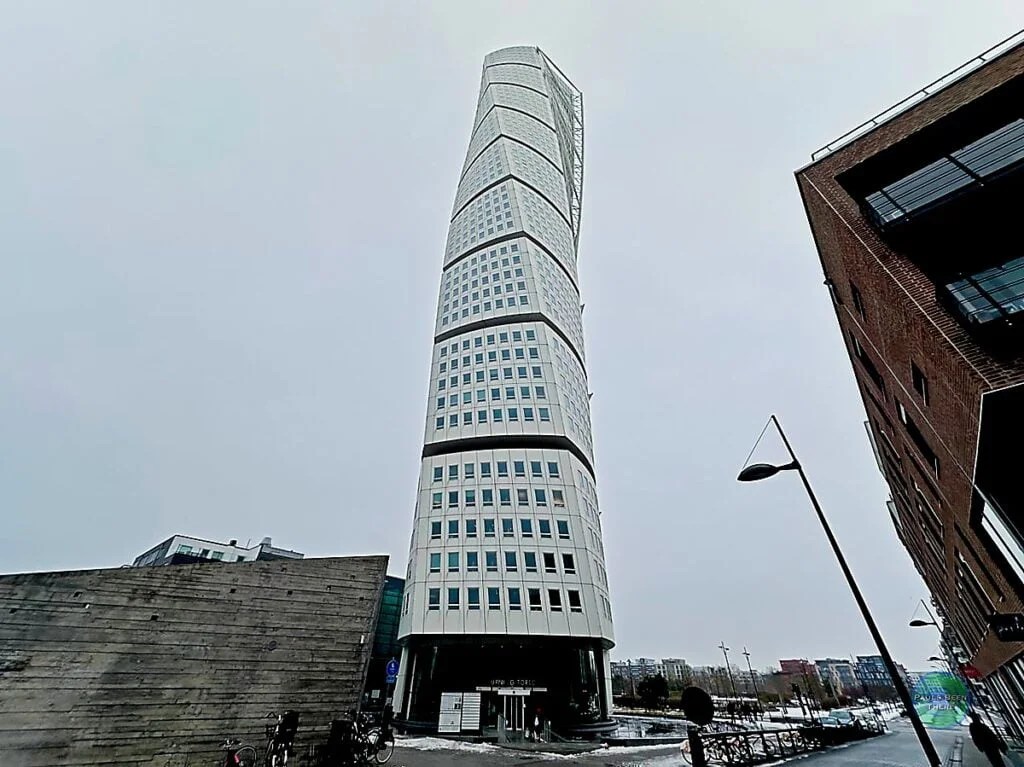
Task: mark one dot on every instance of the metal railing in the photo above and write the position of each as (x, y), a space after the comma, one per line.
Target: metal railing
(747, 748)
(933, 87)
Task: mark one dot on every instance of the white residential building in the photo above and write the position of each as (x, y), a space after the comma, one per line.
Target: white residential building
(507, 592)
(676, 669)
(185, 547)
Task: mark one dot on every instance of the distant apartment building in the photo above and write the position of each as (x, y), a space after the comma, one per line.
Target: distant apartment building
(650, 667)
(915, 214)
(673, 669)
(180, 549)
(749, 682)
(676, 670)
(838, 676)
(871, 672)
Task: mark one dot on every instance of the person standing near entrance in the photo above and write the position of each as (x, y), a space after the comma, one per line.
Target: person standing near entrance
(986, 740)
(537, 722)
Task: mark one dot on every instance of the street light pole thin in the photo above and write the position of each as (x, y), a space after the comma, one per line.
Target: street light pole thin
(732, 683)
(753, 681)
(763, 471)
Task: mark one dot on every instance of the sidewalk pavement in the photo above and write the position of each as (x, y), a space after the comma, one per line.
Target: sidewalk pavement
(972, 757)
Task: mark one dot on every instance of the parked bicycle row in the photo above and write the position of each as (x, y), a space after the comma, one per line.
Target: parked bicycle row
(353, 740)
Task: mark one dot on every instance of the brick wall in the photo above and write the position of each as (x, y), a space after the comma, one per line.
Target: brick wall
(903, 323)
(148, 665)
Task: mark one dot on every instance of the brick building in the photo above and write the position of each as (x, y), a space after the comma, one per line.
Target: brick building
(797, 667)
(914, 215)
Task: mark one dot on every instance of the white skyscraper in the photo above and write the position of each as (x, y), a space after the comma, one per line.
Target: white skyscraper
(507, 592)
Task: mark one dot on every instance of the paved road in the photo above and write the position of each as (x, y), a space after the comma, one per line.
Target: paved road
(897, 749)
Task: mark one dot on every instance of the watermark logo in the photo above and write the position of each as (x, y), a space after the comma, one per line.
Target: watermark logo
(941, 699)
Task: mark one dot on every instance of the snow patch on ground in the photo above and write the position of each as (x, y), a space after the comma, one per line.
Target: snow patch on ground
(441, 744)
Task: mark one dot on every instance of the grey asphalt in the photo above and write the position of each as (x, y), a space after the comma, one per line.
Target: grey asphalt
(899, 748)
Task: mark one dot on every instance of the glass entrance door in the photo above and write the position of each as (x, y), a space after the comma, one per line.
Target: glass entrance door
(514, 711)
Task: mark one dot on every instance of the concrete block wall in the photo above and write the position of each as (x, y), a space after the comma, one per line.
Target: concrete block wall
(155, 664)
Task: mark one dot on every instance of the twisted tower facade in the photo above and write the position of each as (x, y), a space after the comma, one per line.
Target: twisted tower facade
(507, 592)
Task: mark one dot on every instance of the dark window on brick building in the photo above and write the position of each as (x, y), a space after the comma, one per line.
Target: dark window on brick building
(918, 439)
(867, 363)
(858, 300)
(920, 382)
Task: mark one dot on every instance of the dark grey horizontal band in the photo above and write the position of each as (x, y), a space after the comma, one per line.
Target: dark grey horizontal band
(519, 85)
(513, 64)
(508, 442)
(508, 319)
(527, 184)
(505, 238)
(501, 135)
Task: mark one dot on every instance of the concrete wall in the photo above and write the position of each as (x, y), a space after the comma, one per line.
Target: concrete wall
(148, 665)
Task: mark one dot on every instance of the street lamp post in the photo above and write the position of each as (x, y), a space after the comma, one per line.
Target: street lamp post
(810, 695)
(763, 471)
(732, 684)
(753, 681)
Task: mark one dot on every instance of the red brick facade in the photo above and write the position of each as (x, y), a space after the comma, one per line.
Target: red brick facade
(903, 324)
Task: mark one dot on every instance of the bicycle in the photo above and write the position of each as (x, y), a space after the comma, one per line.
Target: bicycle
(238, 754)
(380, 741)
(354, 740)
(280, 738)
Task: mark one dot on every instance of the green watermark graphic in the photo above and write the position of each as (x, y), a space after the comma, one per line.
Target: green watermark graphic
(941, 699)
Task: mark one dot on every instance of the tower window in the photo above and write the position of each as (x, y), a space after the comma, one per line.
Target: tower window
(575, 605)
(549, 562)
(555, 600)
(534, 596)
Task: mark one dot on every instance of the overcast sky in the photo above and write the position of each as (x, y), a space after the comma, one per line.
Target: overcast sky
(222, 224)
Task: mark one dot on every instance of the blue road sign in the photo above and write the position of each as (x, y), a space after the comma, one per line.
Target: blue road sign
(392, 671)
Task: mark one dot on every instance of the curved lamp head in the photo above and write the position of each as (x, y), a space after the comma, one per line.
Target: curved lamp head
(757, 471)
(937, 658)
(917, 623)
